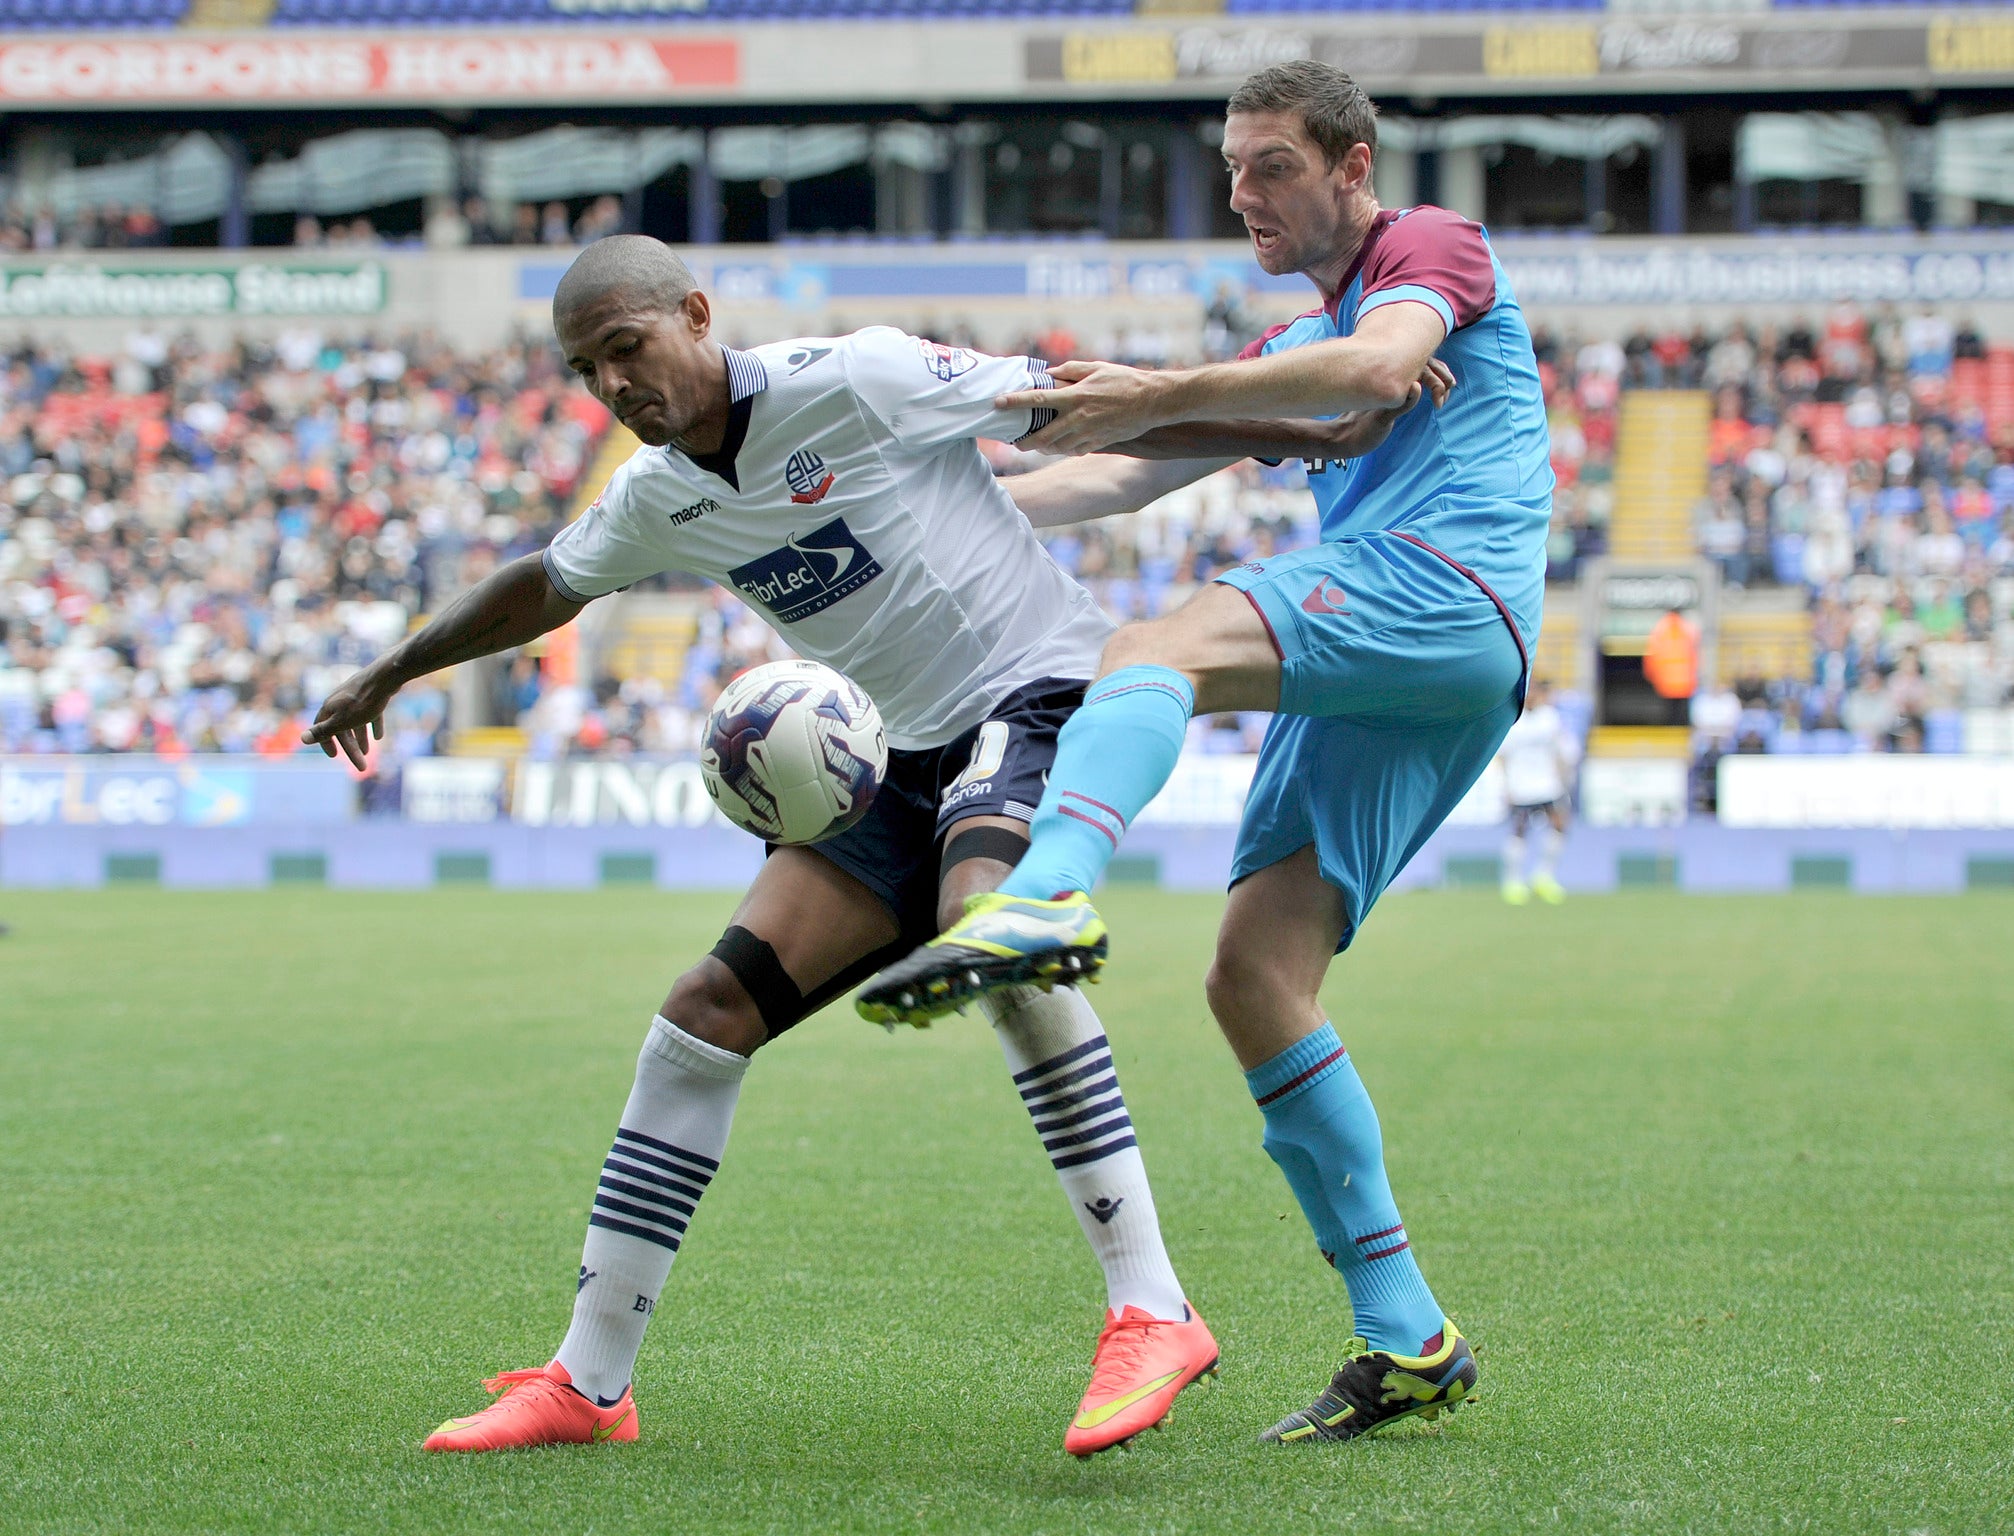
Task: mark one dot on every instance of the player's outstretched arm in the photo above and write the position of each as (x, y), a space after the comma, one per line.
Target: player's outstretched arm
(1099, 404)
(513, 605)
(1348, 436)
(1103, 485)
(1127, 476)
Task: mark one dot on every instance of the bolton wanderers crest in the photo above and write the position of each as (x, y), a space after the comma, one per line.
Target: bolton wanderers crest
(807, 477)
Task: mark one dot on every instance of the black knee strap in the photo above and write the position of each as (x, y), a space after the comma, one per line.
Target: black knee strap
(763, 978)
(982, 843)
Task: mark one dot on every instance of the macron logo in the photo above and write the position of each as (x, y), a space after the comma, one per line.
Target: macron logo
(1326, 598)
(694, 512)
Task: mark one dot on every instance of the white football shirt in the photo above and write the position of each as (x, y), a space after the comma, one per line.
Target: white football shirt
(1537, 756)
(850, 507)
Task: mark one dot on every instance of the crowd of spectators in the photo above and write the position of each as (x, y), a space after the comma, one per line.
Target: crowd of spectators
(1583, 395)
(112, 227)
(196, 544)
(1868, 463)
(116, 227)
(476, 222)
(1887, 674)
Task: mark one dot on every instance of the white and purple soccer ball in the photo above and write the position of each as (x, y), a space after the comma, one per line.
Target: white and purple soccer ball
(793, 751)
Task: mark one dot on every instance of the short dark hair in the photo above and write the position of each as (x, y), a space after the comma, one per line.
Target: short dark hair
(632, 264)
(1333, 108)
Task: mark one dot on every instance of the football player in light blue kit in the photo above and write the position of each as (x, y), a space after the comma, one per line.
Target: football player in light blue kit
(1395, 653)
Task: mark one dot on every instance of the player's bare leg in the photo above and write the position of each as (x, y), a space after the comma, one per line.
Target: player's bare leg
(816, 922)
(1153, 1345)
(802, 923)
(818, 919)
(1216, 640)
(1280, 931)
(1274, 948)
(1214, 653)
(1545, 879)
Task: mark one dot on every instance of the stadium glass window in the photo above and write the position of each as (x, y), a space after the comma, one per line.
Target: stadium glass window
(1812, 169)
(1710, 200)
(838, 203)
(391, 223)
(202, 234)
(666, 207)
(1627, 182)
(1045, 178)
(1143, 186)
(1831, 202)
(1526, 188)
(276, 228)
(1223, 223)
(745, 216)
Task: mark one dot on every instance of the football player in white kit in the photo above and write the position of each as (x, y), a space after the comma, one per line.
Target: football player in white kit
(835, 485)
(1538, 758)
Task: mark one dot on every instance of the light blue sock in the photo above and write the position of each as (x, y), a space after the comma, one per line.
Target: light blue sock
(1322, 1131)
(1112, 757)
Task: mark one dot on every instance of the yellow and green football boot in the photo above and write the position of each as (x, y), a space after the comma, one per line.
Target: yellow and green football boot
(1375, 1388)
(1001, 941)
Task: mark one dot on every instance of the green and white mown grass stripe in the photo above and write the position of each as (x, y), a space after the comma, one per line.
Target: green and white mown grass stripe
(1723, 1189)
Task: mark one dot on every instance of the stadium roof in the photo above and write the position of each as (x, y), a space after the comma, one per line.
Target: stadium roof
(1054, 59)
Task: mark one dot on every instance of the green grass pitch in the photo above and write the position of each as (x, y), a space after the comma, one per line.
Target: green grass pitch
(1723, 1189)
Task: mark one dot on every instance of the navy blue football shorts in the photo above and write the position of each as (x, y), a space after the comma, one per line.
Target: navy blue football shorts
(998, 768)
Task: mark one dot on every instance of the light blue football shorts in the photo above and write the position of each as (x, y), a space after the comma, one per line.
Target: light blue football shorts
(1401, 673)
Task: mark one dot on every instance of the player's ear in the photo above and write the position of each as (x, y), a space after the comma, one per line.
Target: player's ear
(1356, 167)
(698, 314)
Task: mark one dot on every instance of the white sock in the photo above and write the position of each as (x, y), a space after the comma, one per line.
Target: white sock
(1513, 858)
(1548, 851)
(674, 1129)
(1056, 1050)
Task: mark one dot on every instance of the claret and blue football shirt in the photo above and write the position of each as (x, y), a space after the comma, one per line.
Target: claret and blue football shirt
(1474, 478)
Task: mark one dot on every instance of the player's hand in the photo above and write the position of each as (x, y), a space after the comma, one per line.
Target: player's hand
(1357, 433)
(353, 714)
(1097, 405)
(1438, 380)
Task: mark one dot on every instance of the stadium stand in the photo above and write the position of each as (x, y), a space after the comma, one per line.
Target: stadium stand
(90, 15)
(195, 544)
(67, 15)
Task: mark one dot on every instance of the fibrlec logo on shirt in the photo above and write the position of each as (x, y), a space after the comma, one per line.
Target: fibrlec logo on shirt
(809, 574)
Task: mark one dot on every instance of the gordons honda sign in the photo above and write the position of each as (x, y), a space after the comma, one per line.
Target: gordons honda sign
(440, 67)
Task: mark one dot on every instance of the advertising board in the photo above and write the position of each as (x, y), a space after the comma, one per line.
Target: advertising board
(1874, 790)
(1543, 272)
(130, 289)
(360, 67)
(156, 792)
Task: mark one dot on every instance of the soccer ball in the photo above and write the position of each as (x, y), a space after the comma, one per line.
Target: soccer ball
(793, 752)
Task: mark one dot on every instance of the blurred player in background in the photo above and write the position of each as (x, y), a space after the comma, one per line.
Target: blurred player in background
(836, 485)
(1538, 757)
(1394, 651)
